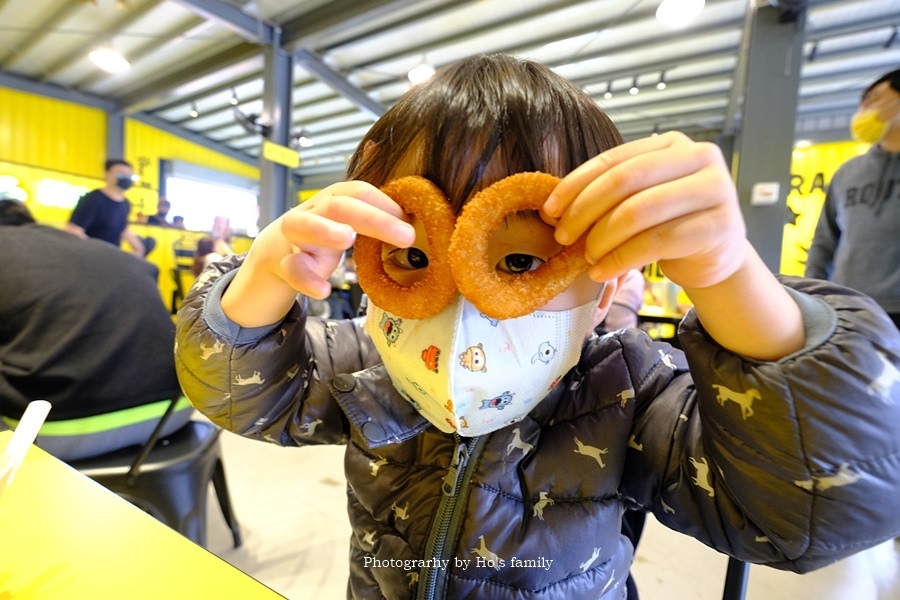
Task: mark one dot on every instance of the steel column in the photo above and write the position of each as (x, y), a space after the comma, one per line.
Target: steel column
(273, 197)
(765, 139)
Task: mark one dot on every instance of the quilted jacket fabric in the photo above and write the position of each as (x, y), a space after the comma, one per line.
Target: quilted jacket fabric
(792, 464)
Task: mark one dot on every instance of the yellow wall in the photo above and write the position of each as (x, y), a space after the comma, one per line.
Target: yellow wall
(52, 134)
(48, 144)
(812, 168)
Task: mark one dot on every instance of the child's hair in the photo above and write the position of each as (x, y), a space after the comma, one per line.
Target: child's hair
(480, 120)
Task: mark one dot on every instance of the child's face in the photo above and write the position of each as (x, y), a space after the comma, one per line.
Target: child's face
(521, 243)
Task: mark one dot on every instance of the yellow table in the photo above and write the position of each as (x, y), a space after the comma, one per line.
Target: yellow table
(65, 536)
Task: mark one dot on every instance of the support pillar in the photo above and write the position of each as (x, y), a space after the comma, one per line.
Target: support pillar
(764, 143)
(115, 134)
(273, 196)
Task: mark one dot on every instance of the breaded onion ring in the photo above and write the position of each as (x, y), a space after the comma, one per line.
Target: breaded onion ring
(427, 297)
(501, 295)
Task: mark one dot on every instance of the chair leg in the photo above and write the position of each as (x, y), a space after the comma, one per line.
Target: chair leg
(736, 580)
(221, 487)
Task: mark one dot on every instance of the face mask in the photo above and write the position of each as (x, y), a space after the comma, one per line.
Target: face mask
(468, 373)
(867, 127)
(124, 183)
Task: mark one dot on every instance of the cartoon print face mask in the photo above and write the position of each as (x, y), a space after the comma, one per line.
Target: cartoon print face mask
(465, 372)
(868, 127)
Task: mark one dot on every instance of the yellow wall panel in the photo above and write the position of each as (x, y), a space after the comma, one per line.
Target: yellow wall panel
(51, 134)
(812, 168)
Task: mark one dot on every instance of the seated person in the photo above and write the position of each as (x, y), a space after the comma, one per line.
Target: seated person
(162, 210)
(209, 250)
(629, 297)
(82, 326)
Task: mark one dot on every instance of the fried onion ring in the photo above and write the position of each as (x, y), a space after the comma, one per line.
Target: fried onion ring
(427, 297)
(501, 295)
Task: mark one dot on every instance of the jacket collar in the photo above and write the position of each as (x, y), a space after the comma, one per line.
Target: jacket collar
(375, 409)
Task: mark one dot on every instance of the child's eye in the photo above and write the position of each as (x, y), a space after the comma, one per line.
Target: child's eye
(409, 258)
(519, 263)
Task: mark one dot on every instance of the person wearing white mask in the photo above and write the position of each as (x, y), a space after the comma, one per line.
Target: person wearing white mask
(857, 239)
(493, 456)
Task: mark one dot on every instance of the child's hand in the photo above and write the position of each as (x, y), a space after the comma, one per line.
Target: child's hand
(299, 251)
(663, 198)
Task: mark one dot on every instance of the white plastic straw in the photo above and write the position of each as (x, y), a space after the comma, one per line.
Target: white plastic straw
(24, 435)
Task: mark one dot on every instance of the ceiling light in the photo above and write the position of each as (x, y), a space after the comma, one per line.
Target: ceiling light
(194, 114)
(662, 81)
(608, 93)
(108, 59)
(678, 13)
(634, 88)
(234, 98)
(655, 131)
(421, 73)
(305, 142)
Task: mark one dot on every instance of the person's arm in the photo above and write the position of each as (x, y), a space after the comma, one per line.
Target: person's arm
(791, 464)
(825, 240)
(137, 246)
(75, 230)
(671, 200)
(84, 213)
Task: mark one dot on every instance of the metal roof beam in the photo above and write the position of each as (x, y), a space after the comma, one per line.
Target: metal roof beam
(248, 27)
(39, 33)
(162, 88)
(190, 136)
(50, 90)
(129, 16)
(313, 63)
(349, 18)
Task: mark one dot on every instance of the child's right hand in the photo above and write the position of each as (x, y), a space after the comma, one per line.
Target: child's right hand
(298, 251)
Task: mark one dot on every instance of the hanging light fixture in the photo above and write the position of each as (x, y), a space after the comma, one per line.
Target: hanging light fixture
(813, 51)
(608, 93)
(234, 98)
(678, 13)
(109, 59)
(634, 87)
(890, 41)
(662, 81)
(194, 114)
(655, 131)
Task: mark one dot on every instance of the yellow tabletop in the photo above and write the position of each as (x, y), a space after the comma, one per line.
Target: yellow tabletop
(64, 536)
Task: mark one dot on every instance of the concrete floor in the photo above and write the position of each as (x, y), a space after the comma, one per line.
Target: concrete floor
(291, 506)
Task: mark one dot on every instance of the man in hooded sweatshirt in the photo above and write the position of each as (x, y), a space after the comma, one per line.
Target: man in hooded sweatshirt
(856, 241)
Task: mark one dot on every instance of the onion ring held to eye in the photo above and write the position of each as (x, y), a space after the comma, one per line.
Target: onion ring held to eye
(502, 295)
(427, 297)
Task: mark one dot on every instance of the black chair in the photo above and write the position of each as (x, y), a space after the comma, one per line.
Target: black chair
(736, 580)
(169, 477)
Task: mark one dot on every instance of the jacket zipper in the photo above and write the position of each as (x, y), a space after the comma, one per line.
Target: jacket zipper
(455, 486)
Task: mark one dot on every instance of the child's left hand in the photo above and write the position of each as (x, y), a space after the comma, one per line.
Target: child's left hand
(664, 198)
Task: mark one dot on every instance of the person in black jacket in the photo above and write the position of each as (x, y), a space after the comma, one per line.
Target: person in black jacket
(82, 326)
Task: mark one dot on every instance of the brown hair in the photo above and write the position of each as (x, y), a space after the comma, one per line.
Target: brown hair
(480, 120)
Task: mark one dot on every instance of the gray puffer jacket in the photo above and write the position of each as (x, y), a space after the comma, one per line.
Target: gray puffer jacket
(793, 464)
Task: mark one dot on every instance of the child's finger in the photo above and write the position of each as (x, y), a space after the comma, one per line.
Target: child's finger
(641, 172)
(301, 271)
(347, 215)
(649, 208)
(573, 183)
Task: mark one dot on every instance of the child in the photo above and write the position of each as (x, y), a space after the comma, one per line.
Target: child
(772, 439)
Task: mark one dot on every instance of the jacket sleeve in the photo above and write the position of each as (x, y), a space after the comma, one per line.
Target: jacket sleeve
(820, 258)
(794, 463)
(268, 382)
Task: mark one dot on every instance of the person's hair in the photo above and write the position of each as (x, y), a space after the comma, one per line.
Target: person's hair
(893, 79)
(480, 120)
(14, 212)
(161, 202)
(204, 246)
(112, 162)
